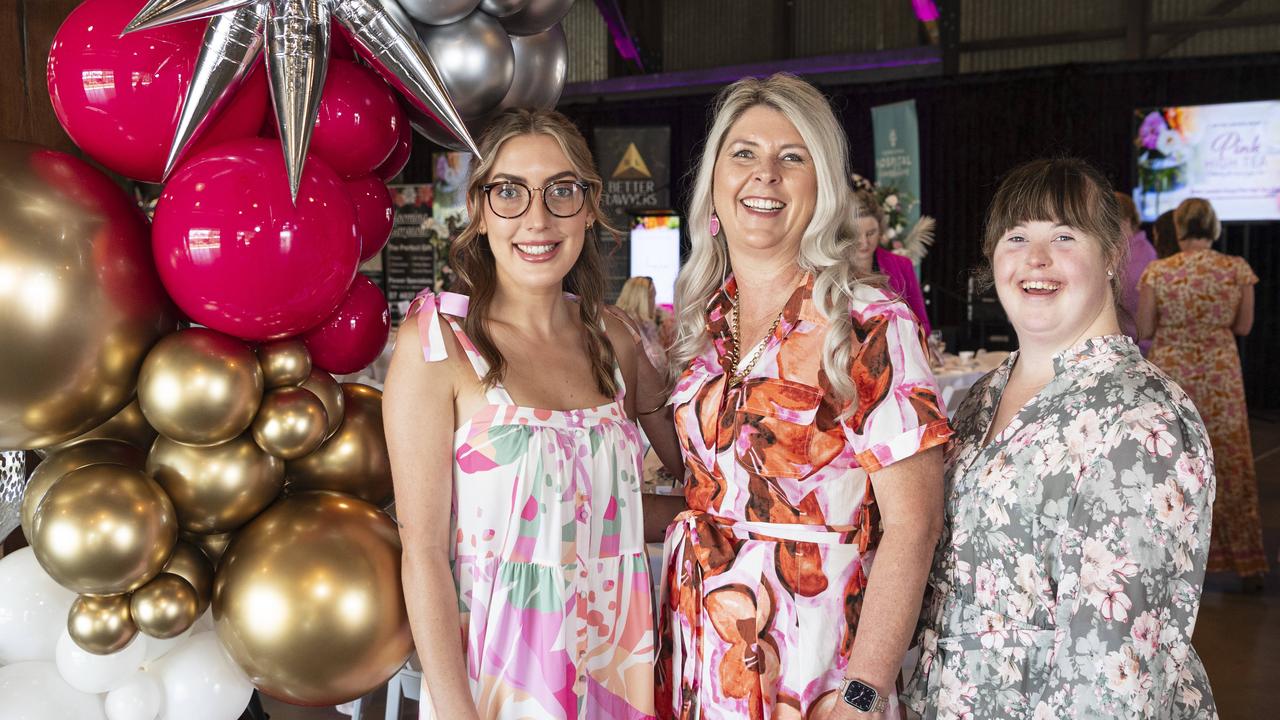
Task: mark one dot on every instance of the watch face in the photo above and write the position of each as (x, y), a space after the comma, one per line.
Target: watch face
(860, 696)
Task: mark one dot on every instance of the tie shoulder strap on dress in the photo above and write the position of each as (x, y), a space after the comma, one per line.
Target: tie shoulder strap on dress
(430, 306)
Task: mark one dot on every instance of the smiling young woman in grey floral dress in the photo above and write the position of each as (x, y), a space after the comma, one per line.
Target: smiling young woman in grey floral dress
(1079, 488)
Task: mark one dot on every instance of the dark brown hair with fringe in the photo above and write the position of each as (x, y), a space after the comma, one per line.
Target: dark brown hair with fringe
(473, 261)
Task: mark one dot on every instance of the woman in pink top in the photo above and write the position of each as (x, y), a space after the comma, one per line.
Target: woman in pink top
(870, 258)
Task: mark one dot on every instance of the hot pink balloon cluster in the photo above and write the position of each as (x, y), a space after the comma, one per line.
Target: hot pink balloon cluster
(232, 248)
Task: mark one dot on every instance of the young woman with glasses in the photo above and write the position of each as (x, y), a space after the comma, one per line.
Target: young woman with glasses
(510, 421)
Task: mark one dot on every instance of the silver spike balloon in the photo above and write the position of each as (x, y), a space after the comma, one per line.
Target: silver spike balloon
(378, 29)
(382, 34)
(537, 16)
(475, 60)
(502, 8)
(166, 12)
(231, 50)
(297, 61)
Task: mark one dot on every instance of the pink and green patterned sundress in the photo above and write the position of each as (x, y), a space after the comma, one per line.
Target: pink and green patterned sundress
(548, 555)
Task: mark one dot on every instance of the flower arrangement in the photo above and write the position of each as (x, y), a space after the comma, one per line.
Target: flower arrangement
(1162, 150)
(899, 236)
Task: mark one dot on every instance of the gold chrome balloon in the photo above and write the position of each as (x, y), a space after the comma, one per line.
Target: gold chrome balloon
(218, 488)
(211, 545)
(200, 387)
(330, 393)
(308, 599)
(164, 607)
(291, 423)
(284, 362)
(57, 464)
(190, 563)
(80, 301)
(101, 625)
(104, 530)
(128, 425)
(354, 460)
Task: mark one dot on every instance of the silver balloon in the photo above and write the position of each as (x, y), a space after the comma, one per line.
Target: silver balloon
(428, 128)
(297, 34)
(502, 8)
(475, 60)
(381, 33)
(438, 12)
(542, 64)
(537, 16)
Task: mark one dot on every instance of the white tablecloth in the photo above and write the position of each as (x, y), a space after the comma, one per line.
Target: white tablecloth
(957, 376)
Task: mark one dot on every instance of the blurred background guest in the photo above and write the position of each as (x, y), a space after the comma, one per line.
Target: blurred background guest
(637, 300)
(1164, 236)
(870, 257)
(1141, 253)
(1194, 304)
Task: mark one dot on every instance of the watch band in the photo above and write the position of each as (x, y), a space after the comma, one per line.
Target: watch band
(880, 704)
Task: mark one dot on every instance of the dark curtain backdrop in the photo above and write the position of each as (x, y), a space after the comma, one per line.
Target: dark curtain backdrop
(975, 128)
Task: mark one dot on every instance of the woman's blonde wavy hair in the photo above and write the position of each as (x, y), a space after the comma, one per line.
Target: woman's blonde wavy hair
(473, 260)
(826, 250)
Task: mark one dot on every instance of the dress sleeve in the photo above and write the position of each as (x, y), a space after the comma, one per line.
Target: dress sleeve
(1132, 553)
(898, 412)
(1148, 277)
(1244, 273)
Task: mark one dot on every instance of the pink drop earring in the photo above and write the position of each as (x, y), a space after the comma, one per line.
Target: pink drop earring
(715, 225)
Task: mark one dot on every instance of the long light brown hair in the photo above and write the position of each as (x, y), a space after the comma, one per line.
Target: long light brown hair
(473, 261)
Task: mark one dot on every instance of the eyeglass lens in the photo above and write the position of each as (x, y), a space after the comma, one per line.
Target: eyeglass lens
(511, 199)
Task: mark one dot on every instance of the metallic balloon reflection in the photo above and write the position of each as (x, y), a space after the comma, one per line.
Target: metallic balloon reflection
(330, 393)
(537, 16)
(211, 545)
(129, 425)
(164, 607)
(200, 387)
(80, 303)
(284, 363)
(53, 467)
(216, 489)
(475, 61)
(354, 460)
(308, 599)
(291, 423)
(542, 64)
(103, 530)
(101, 625)
(191, 564)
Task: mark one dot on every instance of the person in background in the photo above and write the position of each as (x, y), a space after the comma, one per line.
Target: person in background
(1164, 236)
(637, 301)
(811, 430)
(870, 257)
(1141, 253)
(1078, 488)
(1193, 305)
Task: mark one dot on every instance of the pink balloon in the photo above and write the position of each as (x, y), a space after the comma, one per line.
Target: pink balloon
(394, 165)
(359, 121)
(356, 334)
(236, 254)
(119, 98)
(375, 213)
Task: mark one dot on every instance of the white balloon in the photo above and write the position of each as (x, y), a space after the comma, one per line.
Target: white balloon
(158, 647)
(33, 609)
(138, 699)
(35, 691)
(204, 623)
(201, 682)
(91, 673)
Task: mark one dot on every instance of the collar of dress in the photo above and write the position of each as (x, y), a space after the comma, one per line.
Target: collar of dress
(799, 307)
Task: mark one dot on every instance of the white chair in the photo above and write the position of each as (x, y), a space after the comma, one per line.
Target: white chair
(407, 684)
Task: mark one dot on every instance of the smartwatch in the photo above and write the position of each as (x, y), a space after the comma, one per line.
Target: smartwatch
(862, 697)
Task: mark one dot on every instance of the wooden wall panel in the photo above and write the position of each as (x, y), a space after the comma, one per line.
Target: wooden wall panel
(27, 28)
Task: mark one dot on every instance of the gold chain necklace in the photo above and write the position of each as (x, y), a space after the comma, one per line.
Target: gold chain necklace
(737, 376)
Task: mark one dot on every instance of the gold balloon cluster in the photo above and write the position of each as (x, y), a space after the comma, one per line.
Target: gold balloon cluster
(305, 588)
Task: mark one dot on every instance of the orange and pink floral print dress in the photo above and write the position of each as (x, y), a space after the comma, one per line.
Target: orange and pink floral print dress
(764, 574)
(548, 555)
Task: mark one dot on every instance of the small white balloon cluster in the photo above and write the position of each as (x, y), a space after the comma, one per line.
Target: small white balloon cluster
(44, 675)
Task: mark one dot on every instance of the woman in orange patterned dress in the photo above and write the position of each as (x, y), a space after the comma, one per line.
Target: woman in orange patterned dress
(1194, 304)
(811, 431)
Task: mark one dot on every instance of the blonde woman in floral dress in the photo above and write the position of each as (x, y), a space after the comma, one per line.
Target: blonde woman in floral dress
(1079, 488)
(1194, 304)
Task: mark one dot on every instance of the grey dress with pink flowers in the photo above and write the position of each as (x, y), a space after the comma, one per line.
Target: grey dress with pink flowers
(1068, 579)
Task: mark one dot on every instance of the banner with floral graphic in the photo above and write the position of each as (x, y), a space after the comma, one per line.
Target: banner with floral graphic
(1227, 154)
